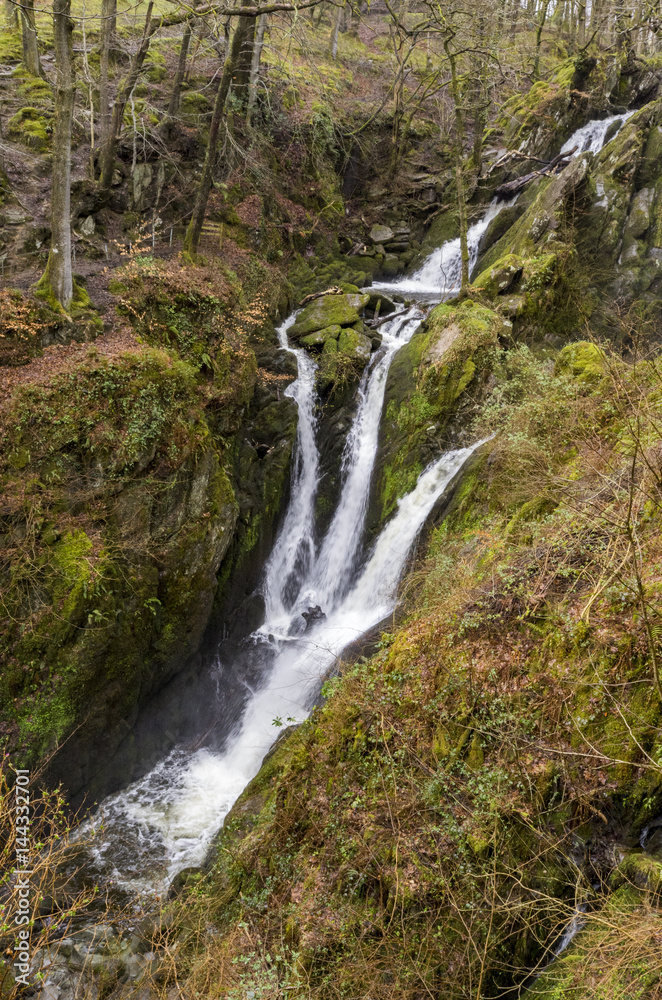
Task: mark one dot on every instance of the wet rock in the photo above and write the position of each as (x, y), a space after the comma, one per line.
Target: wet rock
(385, 304)
(355, 345)
(497, 228)
(313, 615)
(320, 337)
(390, 266)
(329, 310)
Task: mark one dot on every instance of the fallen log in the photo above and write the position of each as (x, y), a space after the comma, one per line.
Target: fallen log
(318, 295)
(510, 188)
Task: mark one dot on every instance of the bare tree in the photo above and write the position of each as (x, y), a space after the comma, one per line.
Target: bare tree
(31, 60)
(204, 186)
(255, 65)
(57, 279)
(173, 106)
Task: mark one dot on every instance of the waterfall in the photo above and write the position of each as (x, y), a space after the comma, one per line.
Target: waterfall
(294, 550)
(441, 274)
(166, 821)
(590, 138)
(341, 547)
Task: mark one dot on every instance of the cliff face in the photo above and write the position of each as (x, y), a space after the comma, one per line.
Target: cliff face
(132, 478)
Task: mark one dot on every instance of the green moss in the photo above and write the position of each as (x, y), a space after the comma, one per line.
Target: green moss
(155, 66)
(194, 108)
(11, 49)
(31, 126)
(33, 88)
(441, 361)
(583, 360)
(329, 310)
(80, 300)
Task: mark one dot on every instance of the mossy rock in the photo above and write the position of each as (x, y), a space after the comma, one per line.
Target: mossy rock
(194, 107)
(329, 310)
(320, 337)
(355, 345)
(501, 277)
(427, 379)
(33, 88)
(583, 360)
(155, 66)
(31, 126)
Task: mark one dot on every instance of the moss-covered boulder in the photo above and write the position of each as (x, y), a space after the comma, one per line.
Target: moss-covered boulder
(499, 278)
(320, 337)
(354, 345)
(329, 310)
(32, 126)
(584, 360)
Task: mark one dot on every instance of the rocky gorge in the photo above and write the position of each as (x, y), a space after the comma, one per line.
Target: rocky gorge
(407, 524)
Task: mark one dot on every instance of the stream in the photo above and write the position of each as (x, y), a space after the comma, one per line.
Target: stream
(166, 821)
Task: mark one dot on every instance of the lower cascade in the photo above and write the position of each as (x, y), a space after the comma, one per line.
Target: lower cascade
(320, 596)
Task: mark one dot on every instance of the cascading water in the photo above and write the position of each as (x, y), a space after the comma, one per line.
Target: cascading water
(441, 274)
(590, 138)
(165, 821)
(294, 551)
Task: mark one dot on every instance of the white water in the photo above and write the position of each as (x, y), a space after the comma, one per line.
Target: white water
(441, 274)
(166, 821)
(294, 552)
(590, 138)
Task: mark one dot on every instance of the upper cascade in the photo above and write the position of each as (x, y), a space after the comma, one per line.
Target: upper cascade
(440, 275)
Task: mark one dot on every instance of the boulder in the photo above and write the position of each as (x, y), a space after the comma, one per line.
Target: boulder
(381, 234)
(500, 278)
(86, 227)
(390, 265)
(386, 305)
(320, 337)
(355, 345)
(639, 216)
(329, 310)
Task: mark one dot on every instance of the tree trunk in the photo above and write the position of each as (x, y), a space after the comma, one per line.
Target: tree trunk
(479, 88)
(459, 176)
(581, 23)
(514, 17)
(541, 25)
(31, 61)
(333, 41)
(242, 67)
(108, 8)
(204, 187)
(11, 15)
(57, 278)
(107, 154)
(255, 65)
(173, 106)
